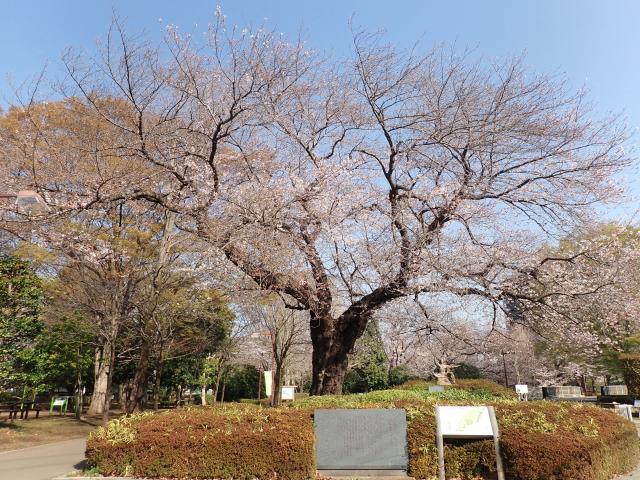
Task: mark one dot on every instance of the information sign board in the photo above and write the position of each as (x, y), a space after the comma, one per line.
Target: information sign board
(466, 422)
(287, 393)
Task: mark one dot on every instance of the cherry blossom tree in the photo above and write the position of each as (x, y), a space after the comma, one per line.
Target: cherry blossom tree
(342, 185)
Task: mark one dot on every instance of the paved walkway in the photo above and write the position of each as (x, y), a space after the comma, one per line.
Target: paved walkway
(42, 462)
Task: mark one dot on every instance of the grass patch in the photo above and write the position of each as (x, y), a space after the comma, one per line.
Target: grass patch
(46, 429)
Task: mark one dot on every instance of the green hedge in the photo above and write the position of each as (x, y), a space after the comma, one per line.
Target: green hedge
(540, 440)
(481, 386)
(630, 364)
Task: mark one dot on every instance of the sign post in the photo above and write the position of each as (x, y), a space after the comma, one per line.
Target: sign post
(61, 402)
(467, 422)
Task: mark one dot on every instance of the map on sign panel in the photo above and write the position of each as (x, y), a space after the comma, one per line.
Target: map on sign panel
(465, 421)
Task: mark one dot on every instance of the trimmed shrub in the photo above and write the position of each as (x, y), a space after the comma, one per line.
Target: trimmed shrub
(540, 440)
(483, 387)
(548, 440)
(399, 375)
(240, 442)
(630, 364)
(486, 386)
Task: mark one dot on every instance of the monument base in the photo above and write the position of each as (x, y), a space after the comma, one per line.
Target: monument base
(362, 474)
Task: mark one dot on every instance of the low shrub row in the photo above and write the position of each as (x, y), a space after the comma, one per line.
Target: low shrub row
(486, 388)
(540, 440)
(233, 441)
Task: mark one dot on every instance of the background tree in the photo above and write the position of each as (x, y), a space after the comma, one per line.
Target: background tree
(369, 364)
(21, 300)
(582, 302)
(284, 332)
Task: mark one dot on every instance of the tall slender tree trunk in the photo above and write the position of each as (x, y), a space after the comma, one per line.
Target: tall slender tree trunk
(276, 398)
(102, 368)
(203, 394)
(158, 378)
(107, 398)
(217, 386)
(136, 393)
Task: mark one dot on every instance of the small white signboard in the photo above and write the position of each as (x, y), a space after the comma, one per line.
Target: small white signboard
(268, 382)
(58, 402)
(636, 403)
(522, 389)
(288, 393)
(465, 422)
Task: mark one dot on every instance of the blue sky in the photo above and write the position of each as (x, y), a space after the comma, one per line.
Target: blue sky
(595, 43)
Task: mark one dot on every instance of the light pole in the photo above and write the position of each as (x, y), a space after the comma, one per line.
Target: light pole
(504, 365)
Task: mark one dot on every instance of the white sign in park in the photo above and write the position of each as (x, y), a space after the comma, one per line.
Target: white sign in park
(268, 382)
(466, 422)
(288, 393)
(522, 391)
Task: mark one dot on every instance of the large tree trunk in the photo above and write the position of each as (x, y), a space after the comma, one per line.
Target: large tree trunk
(332, 342)
(102, 372)
(329, 368)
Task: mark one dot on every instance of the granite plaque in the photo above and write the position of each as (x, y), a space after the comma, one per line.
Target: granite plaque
(563, 391)
(614, 390)
(436, 388)
(535, 393)
(366, 439)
